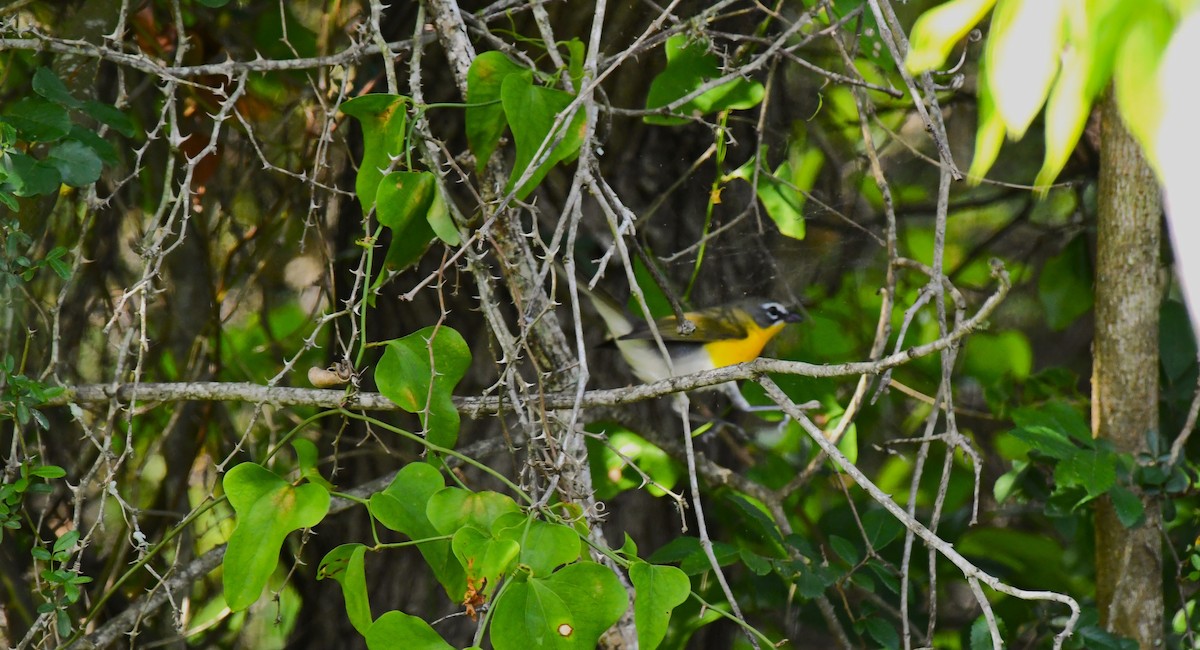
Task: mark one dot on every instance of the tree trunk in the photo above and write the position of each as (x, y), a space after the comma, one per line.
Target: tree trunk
(1125, 376)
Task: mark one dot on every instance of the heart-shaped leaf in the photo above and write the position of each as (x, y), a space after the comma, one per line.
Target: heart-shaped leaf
(419, 373)
(569, 609)
(346, 565)
(384, 124)
(660, 589)
(268, 508)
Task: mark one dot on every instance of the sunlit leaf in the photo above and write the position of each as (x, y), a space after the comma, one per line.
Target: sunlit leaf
(1094, 33)
(989, 135)
(1136, 81)
(938, 30)
(544, 546)
(1023, 49)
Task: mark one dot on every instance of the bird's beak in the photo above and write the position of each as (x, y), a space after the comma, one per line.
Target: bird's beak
(793, 317)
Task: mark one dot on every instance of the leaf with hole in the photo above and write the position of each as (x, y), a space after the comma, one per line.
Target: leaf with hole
(569, 609)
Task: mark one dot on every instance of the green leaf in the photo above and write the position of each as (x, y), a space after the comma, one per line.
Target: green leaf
(268, 508)
(989, 136)
(993, 356)
(485, 558)
(569, 609)
(346, 565)
(544, 546)
(384, 124)
(814, 580)
(1176, 344)
(402, 507)
(576, 57)
(689, 66)
(485, 121)
(48, 471)
(1022, 52)
(48, 85)
(28, 176)
(758, 522)
(881, 528)
(659, 590)
(419, 373)
(611, 473)
(981, 635)
(76, 162)
(403, 202)
(439, 219)
(67, 541)
(398, 631)
(451, 508)
(845, 549)
(879, 629)
(1094, 470)
(1065, 285)
(103, 148)
(38, 120)
(1047, 441)
(1128, 506)
(1057, 415)
(784, 192)
(532, 111)
(938, 30)
(110, 115)
(1093, 37)
(307, 458)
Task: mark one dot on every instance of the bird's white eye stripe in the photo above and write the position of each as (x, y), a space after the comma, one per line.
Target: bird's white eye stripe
(774, 309)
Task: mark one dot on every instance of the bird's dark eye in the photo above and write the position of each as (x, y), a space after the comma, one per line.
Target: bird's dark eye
(774, 310)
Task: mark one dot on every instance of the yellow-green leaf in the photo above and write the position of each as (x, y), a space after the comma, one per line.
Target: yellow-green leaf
(937, 30)
(1135, 77)
(1022, 53)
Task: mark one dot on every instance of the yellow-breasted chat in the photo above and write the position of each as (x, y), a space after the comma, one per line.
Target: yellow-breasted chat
(723, 335)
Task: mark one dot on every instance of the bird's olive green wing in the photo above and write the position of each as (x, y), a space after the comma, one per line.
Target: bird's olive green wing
(712, 324)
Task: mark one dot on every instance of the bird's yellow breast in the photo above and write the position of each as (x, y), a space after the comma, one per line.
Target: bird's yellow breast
(728, 352)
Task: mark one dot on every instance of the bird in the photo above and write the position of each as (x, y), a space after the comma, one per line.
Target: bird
(723, 335)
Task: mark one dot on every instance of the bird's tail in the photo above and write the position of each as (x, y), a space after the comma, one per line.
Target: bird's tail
(616, 320)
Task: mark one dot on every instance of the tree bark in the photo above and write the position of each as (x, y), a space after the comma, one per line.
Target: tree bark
(1125, 376)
